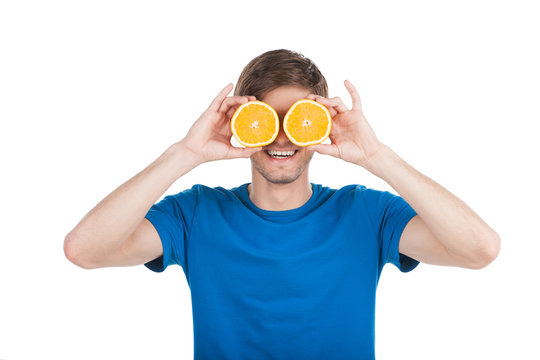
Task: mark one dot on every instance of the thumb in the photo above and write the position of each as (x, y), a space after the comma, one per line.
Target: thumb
(325, 149)
(237, 152)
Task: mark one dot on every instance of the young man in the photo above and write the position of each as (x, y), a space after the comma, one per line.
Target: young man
(281, 267)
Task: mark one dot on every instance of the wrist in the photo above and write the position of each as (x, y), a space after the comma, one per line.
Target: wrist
(183, 156)
(382, 161)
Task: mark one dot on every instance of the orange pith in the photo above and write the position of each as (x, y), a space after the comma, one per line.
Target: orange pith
(255, 123)
(307, 123)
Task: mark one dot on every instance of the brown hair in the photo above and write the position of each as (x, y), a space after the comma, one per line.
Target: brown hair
(277, 68)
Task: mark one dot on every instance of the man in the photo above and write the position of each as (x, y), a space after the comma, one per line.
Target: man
(282, 268)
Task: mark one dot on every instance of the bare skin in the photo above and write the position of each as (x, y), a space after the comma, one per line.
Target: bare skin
(281, 184)
(115, 232)
(445, 231)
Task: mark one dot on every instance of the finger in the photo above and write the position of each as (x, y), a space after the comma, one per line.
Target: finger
(335, 103)
(326, 149)
(235, 152)
(330, 109)
(339, 104)
(216, 103)
(232, 109)
(333, 112)
(356, 103)
(231, 112)
(326, 103)
(232, 101)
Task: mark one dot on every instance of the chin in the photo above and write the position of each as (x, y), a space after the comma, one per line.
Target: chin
(276, 177)
(281, 180)
(282, 176)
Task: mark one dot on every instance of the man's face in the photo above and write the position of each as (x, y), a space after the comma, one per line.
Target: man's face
(278, 169)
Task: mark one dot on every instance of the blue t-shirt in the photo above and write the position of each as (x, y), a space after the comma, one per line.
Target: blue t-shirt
(293, 284)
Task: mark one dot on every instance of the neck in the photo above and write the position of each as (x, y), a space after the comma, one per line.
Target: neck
(278, 197)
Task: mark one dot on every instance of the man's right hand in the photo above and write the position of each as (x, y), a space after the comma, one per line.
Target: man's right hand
(115, 232)
(209, 138)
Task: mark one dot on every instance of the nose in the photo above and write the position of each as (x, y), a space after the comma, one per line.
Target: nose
(282, 138)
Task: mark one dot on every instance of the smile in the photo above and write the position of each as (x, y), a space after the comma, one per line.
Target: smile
(280, 154)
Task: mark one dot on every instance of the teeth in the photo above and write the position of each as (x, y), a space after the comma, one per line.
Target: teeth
(280, 153)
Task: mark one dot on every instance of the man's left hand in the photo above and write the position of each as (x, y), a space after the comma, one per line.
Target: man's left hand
(352, 138)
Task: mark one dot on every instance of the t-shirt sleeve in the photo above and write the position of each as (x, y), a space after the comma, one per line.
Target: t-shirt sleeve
(172, 218)
(390, 214)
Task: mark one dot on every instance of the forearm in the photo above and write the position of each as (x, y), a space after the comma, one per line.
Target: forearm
(451, 221)
(117, 216)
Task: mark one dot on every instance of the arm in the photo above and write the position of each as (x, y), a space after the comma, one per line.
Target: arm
(115, 232)
(96, 241)
(445, 231)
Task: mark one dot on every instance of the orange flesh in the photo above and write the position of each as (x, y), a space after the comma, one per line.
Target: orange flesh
(307, 123)
(255, 125)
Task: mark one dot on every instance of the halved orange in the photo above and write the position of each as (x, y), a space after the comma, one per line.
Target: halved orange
(255, 123)
(307, 123)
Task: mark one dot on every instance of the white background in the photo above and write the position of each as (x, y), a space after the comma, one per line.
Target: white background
(92, 92)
